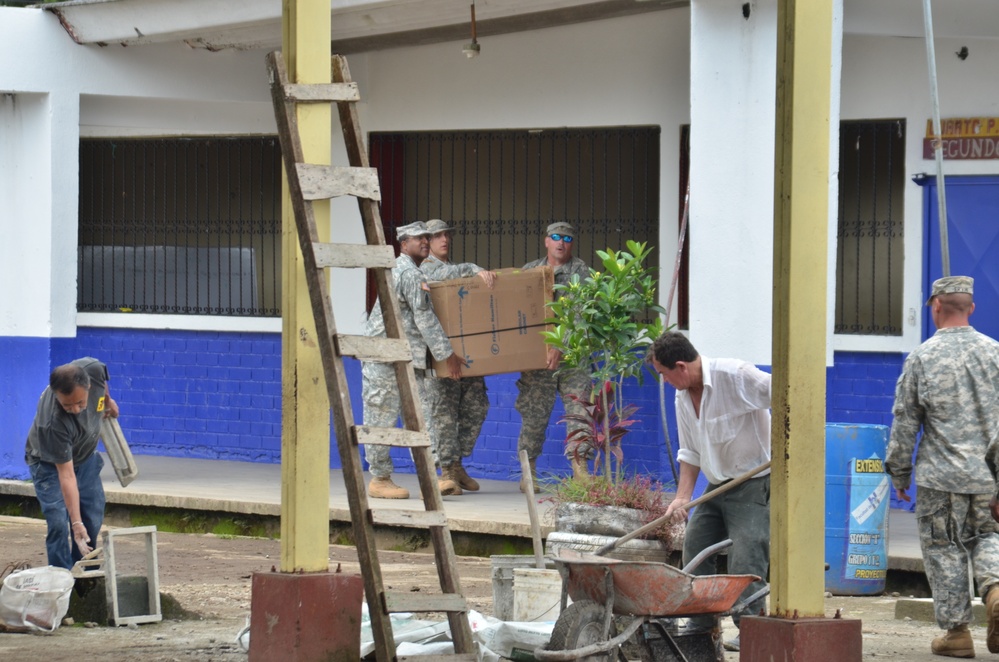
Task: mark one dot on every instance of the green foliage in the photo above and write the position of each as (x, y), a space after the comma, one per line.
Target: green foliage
(597, 323)
(597, 319)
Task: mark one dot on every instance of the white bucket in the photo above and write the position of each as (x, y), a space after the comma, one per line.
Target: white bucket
(537, 594)
(502, 576)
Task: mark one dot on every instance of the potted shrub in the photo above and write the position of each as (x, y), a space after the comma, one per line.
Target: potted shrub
(597, 323)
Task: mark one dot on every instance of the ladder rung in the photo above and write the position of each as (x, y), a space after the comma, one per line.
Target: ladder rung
(354, 256)
(321, 92)
(411, 518)
(377, 349)
(321, 182)
(399, 603)
(377, 436)
(462, 657)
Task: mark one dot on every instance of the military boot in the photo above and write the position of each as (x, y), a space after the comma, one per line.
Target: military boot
(461, 477)
(384, 488)
(448, 481)
(956, 642)
(580, 470)
(992, 618)
(533, 477)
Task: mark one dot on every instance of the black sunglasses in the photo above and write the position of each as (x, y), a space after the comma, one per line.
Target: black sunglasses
(561, 237)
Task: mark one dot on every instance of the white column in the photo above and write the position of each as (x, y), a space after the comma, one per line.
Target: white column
(732, 92)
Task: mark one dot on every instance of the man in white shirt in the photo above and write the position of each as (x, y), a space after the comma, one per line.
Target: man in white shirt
(723, 421)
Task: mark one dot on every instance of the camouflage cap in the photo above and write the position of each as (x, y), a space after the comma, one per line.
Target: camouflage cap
(561, 228)
(436, 225)
(417, 229)
(952, 285)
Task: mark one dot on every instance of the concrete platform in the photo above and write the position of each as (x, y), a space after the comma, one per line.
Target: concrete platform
(921, 609)
(498, 508)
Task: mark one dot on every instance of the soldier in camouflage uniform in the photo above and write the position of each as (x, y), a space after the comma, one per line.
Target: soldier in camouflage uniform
(537, 388)
(949, 388)
(379, 389)
(457, 408)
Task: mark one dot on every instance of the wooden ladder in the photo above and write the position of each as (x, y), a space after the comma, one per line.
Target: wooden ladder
(309, 182)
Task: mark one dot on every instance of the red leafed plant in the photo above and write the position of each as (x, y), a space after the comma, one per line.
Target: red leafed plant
(605, 423)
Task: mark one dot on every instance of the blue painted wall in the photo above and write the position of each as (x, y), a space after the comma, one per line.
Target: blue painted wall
(860, 388)
(217, 395)
(25, 374)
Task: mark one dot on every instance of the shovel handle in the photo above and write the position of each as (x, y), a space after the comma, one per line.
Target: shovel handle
(707, 496)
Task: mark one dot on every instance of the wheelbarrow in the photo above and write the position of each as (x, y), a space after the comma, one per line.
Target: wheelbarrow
(653, 595)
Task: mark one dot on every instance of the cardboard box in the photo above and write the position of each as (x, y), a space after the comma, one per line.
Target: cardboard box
(495, 330)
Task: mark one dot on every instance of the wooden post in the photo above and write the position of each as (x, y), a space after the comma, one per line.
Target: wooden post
(801, 217)
(305, 409)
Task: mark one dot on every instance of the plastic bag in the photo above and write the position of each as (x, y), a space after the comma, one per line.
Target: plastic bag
(36, 598)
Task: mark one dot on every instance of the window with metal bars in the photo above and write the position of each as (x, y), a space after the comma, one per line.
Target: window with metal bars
(870, 232)
(180, 226)
(501, 189)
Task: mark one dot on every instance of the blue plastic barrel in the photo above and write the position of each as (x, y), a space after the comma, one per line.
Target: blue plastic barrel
(857, 496)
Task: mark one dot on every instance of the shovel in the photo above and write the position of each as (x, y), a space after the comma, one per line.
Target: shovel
(656, 523)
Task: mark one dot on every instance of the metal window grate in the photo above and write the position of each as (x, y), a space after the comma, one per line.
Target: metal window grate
(870, 234)
(180, 225)
(500, 189)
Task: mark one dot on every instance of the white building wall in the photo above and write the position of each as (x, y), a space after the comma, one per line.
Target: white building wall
(887, 78)
(59, 91)
(732, 92)
(632, 70)
(626, 71)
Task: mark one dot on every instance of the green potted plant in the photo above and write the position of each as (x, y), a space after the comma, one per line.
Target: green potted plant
(597, 324)
(605, 323)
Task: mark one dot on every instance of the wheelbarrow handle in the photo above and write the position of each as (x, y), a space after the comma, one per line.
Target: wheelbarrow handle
(706, 552)
(707, 496)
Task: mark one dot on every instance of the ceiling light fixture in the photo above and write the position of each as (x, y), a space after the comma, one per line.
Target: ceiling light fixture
(471, 49)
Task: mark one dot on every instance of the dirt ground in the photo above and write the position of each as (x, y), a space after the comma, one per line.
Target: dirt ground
(210, 576)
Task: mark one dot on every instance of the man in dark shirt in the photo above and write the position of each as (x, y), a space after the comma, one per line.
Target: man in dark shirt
(62, 457)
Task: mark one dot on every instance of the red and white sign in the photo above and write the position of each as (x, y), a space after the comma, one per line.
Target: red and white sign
(963, 138)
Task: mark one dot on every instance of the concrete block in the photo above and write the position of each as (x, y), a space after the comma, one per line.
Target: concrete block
(921, 609)
(764, 639)
(305, 617)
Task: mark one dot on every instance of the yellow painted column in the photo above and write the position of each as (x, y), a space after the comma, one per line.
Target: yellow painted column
(801, 215)
(305, 409)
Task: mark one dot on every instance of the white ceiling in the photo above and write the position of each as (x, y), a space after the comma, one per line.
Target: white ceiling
(360, 25)
(356, 25)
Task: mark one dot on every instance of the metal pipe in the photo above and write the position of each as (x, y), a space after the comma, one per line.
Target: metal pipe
(937, 141)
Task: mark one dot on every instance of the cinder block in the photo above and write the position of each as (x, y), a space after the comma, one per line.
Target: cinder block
(921, 609)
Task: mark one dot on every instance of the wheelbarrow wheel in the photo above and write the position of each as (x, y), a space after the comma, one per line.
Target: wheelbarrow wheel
(580, 625)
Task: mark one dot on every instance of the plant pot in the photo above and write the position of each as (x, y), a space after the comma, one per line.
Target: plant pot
(610, 521)
(634, 550)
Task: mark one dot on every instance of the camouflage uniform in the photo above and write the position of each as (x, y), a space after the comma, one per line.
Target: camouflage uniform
(537, 388)
(456, 408)
(379, 388)
(949, 387)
